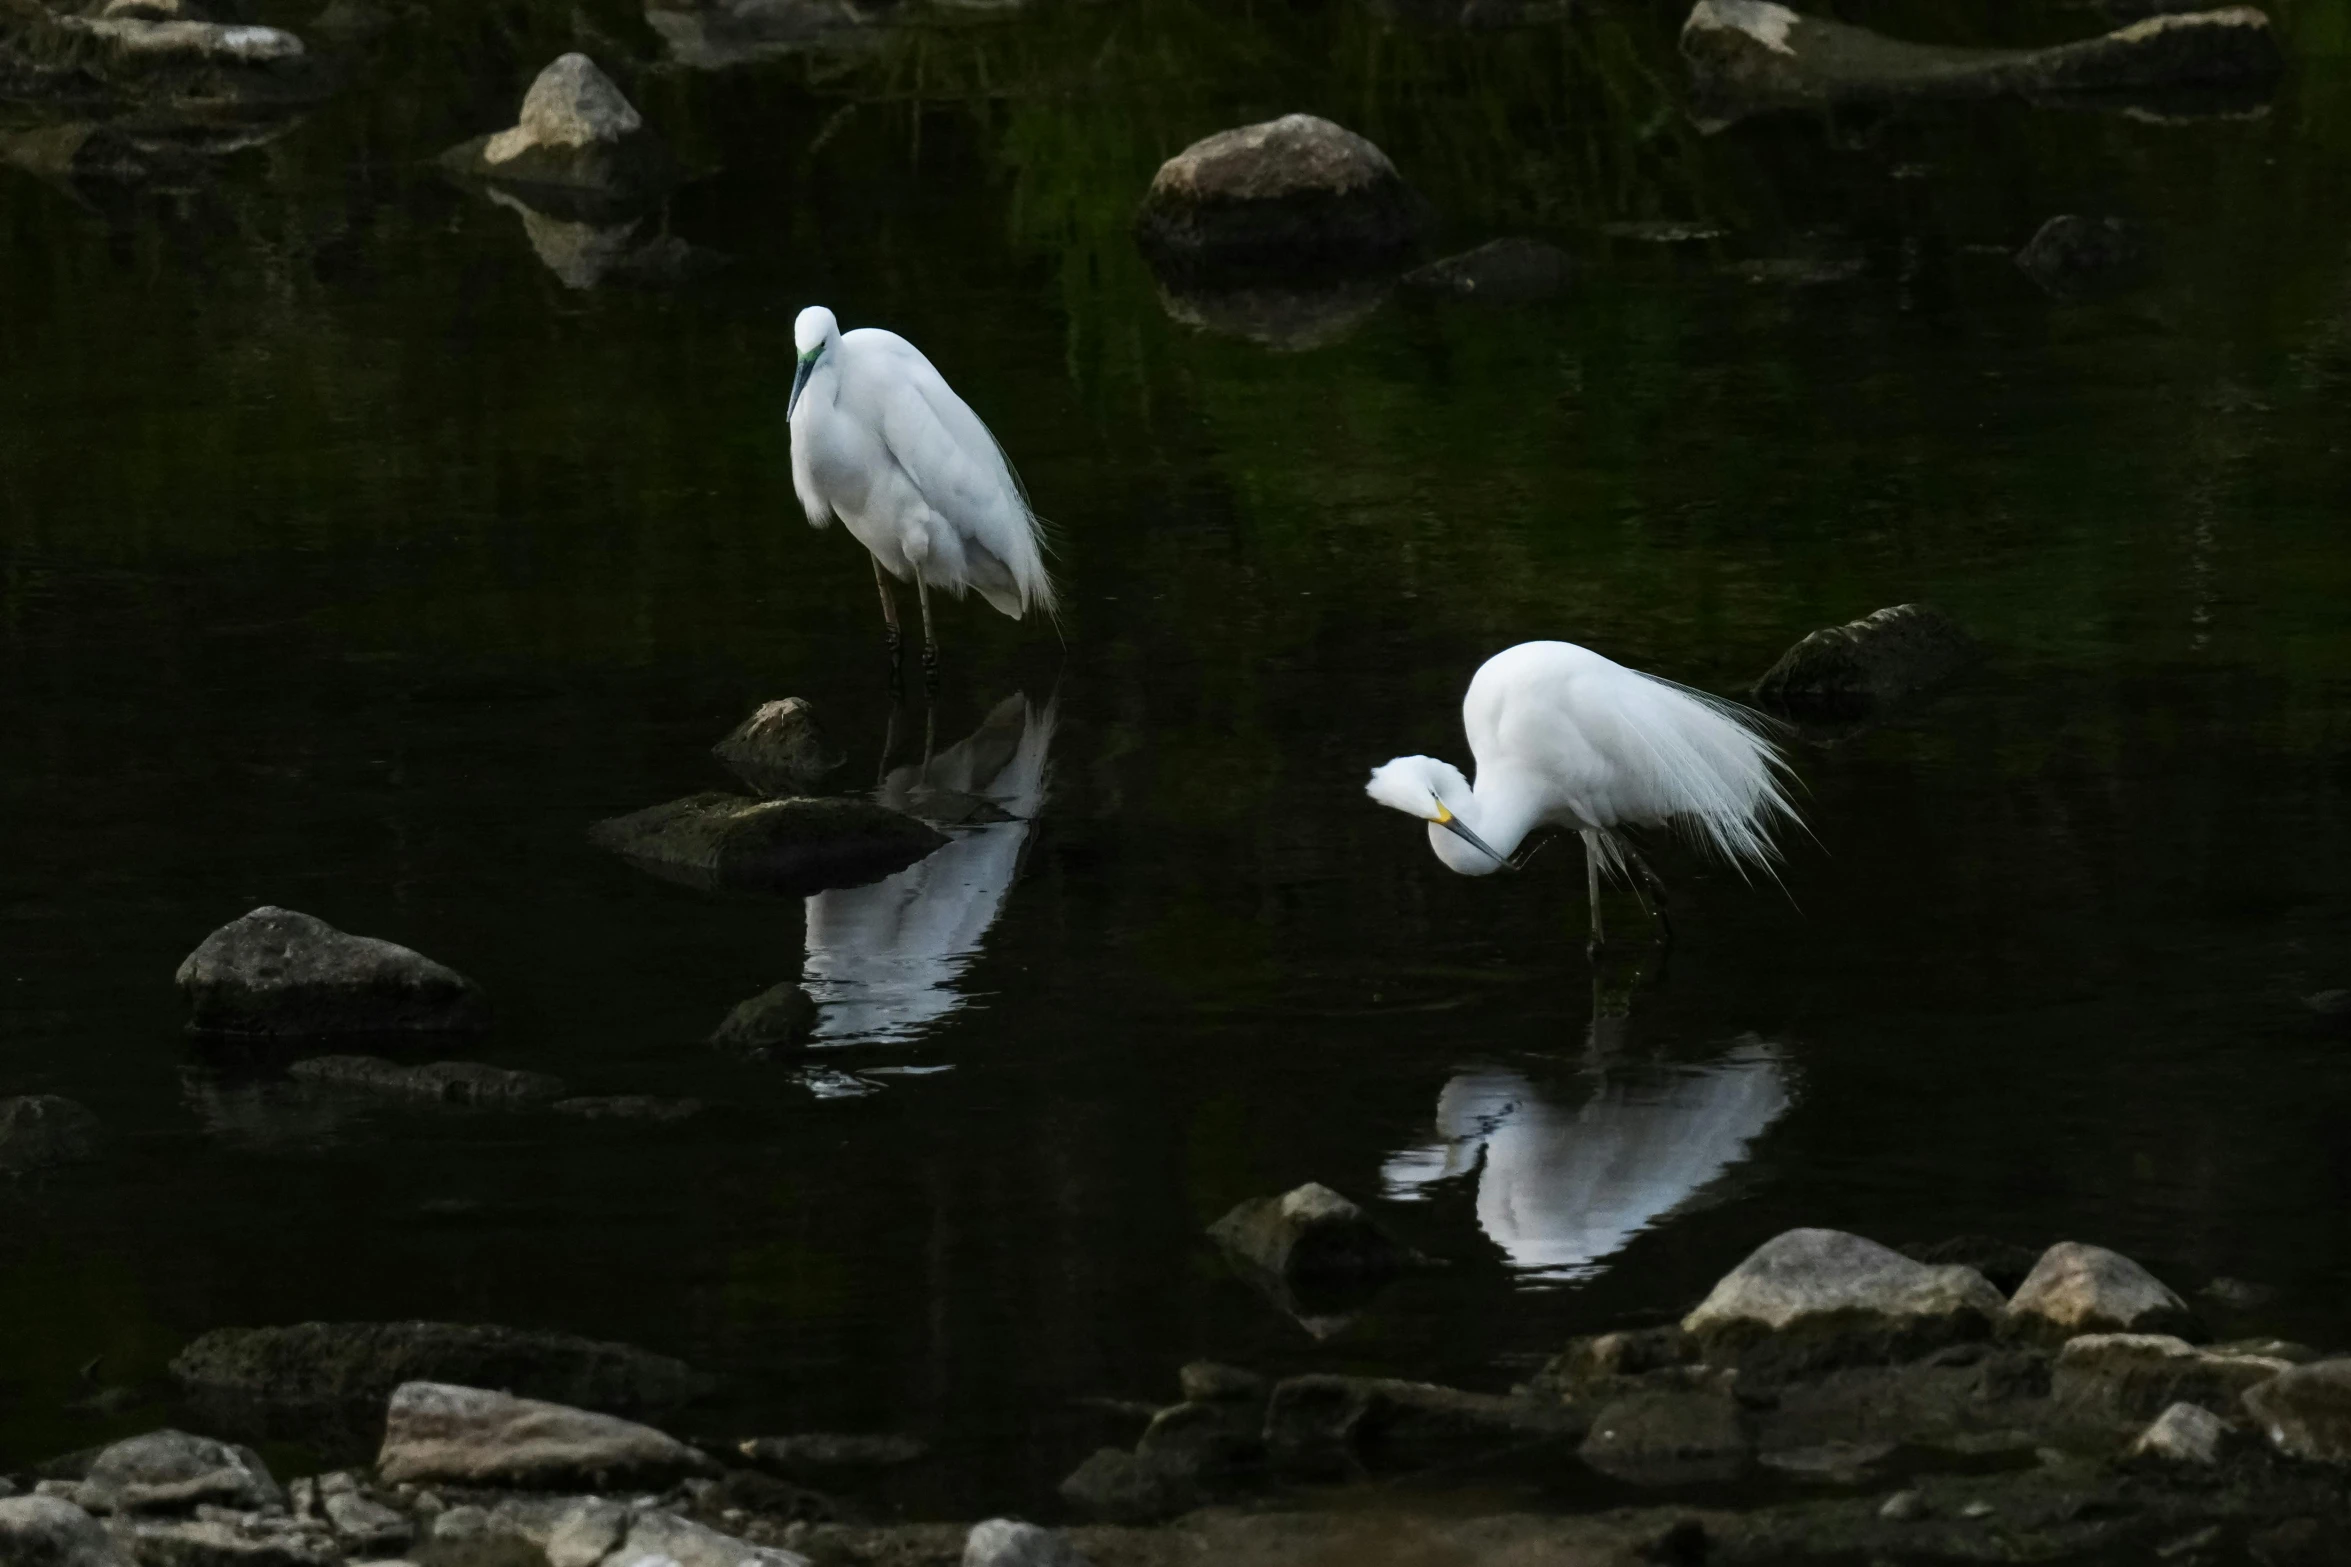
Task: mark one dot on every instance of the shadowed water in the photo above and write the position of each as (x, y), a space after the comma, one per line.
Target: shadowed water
(362, 543)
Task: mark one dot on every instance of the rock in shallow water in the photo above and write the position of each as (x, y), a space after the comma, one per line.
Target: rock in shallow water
(2073, 257)
(1810, 1299)
(1501, 271)
(1750, 54)
(780, 750)
(453, 1082)
(1853, 670)
(288, 1380)
(1293, 194)
(794, 847)
(281, 973)
(1309, 1236)
(43, 1531)
(2077, 1288)
(39, 1130)
(2306, 1410)
(437, 1432)
(576, 135)
(779, 1017)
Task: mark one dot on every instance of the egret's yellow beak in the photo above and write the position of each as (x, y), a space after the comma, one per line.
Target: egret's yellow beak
(1453, 824)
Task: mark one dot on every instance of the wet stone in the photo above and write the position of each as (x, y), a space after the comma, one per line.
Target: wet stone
(1853, 670)
(1672, 1438)
(1297, 193)
(2305, 1411)
(793, 847)
(779, 1017)
(1336, 1425)
(435, 1432)
(2135, 1376)
(1132, 1488)
(780, 750)
(2075, 257)
(1812, 1299)
(647, 1108)
(819, 1457)
(1287, 318)
(278, 972)
(1007, 1542)
(1605, 1362)
(2077, 1288)
(576, 136)
(1833, 1463)
(1501, 271)
(38, 1131)
(451, 1082)
(1308, 1236)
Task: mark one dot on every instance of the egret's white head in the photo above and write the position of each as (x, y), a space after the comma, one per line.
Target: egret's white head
(1435, 792)
(813, 333)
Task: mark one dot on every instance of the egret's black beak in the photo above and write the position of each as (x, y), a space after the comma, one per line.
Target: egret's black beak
(800, 383)
(1453, 824)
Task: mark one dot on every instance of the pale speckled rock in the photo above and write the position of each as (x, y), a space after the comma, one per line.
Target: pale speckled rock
(434, 1431)
(576, 135)
(1812, 1298)
(1297, 192)
(1007, 1542)
(235, 1540)
(44, 1531)
(2305, 1411)
(278, 972)
(2182, 1434)
(571, 105)
(2134, 1376)
(1746, 54)
(780, 750)
(2077, 1288)
(172, 1470)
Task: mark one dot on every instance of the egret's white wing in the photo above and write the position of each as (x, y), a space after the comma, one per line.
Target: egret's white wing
(954, 463)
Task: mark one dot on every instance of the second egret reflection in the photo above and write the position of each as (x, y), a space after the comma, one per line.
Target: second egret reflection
(1563, 1186)
(884, 960)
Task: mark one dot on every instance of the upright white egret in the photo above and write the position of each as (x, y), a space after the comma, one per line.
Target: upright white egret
(881, 441)
(1565, 738)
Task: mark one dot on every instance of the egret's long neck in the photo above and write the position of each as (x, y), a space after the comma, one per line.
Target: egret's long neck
(1496, 812)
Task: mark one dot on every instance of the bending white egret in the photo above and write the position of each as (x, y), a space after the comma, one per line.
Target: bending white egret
(1565, 738)
(881, 441)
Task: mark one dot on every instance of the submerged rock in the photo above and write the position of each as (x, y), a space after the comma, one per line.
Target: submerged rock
(2306, 1410)
(2076, 1288)
(1293, 318)
(45, 1531)
(1323, 1424)
(452, 1082)
(1809, 1299)
(277, 972)
(1132, 1488)
(290, 1380)
(629, 1107)
(781, 1016)
(1311, 1236)
(2133, 1376)
(437, 1432)
(1506, 271)
(1750, 54)
(171, 1471)
(780, 750)
(2073, 257)
(1210, 1438)
(1669, 1438)
(2182, 1434)
(788, 846)
(40, 1130)
(576, 136)
(1852, 671)
(584, 252)
(1297, 193)
(827, 1457)
(1007, 1542)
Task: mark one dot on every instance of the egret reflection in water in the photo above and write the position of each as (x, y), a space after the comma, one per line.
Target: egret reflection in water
(884, 959)
(1562, 1185)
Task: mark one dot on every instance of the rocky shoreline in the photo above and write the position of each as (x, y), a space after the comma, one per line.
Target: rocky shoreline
(1829, 1400)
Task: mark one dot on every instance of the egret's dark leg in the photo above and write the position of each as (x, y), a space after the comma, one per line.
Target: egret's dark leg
(1655, 910)
(1592, 883)
(930, 642)
(881, 582)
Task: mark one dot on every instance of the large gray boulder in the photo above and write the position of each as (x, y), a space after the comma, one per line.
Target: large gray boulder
(1007, 1542)
(1749, 54)
(1809, 1299)
(1311, 1236)
(794, 847)
(576, 136)
(288, 1381)
(39, 1130)
(780, 750)
(1293, 194)
(2305, 1411)
(278, 972)
(2135, 1376)
(437, 1432)
(168, 1471)
(1852, 671)
(2077, 1288)
(45, 1531)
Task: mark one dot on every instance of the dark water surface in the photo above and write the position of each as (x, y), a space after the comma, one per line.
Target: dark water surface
(352, 560)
